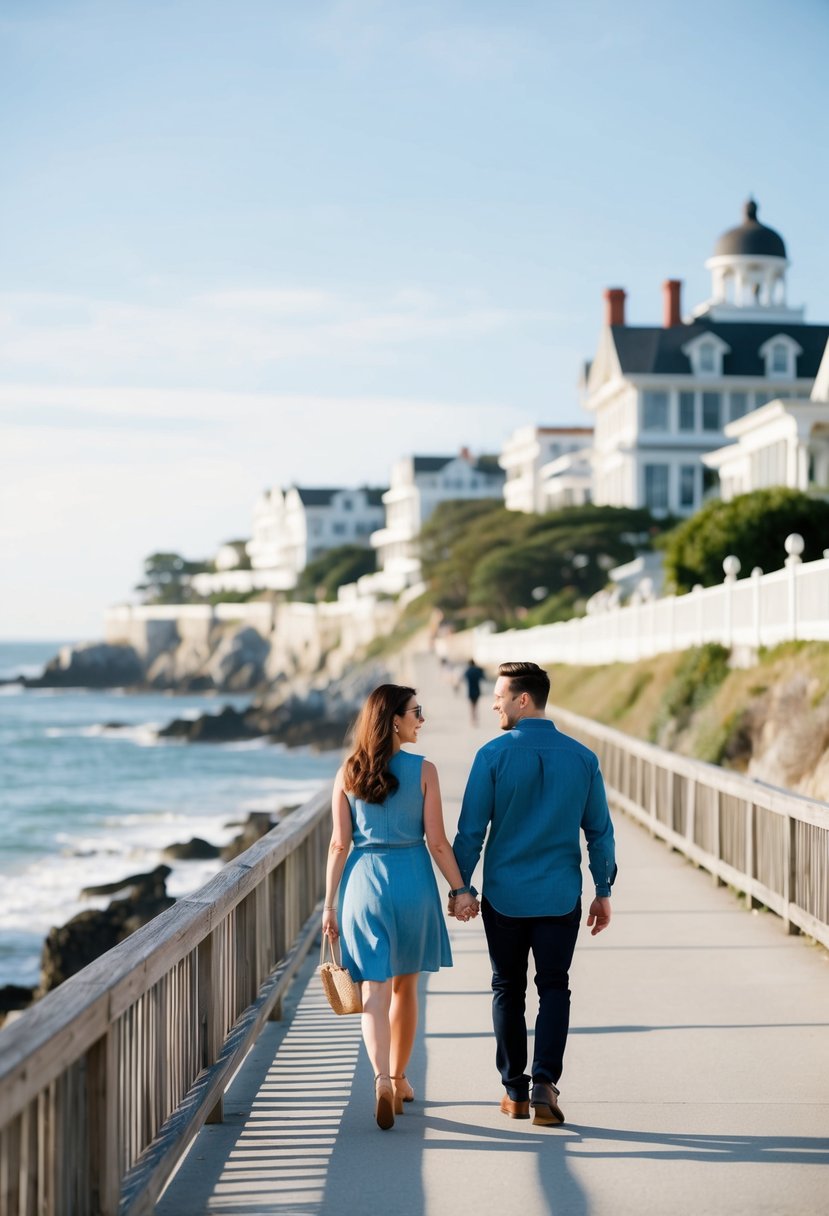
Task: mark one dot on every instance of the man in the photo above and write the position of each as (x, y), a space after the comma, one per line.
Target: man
(535, 789)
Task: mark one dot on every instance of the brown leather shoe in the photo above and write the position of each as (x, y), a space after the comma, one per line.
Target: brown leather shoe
(515, 1110)
(544, 1101)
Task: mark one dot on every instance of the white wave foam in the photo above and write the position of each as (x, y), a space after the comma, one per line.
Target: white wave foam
(47, 892)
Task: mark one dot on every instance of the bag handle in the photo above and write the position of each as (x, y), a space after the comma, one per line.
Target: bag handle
(333, 949)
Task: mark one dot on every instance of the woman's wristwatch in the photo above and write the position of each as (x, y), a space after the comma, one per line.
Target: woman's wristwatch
(461, 891)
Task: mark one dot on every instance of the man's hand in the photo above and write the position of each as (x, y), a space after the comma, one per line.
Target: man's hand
(599, 915)
(465, 907)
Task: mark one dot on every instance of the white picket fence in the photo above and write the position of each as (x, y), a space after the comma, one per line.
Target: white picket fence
(761, 610)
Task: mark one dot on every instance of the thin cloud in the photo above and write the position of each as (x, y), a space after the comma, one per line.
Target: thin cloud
(71, 337)
(476, 52)
(268, 301)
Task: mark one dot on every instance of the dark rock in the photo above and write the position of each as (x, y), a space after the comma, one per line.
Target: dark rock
(325, 735)
(150, 885)
(91, 665)
(198, 684)
(228, 726)
(14, 997)
(72, 946)
(192, 850)
(321, 719)
(312, 721)
(257, 825)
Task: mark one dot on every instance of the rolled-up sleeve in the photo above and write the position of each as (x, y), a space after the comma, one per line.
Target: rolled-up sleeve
(476, 811)
(598, 831)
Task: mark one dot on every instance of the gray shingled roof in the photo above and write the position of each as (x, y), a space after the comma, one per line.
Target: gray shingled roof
(431, 464)
(645, 350)
(316, 497)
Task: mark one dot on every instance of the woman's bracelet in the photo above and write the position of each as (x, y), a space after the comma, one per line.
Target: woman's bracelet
(328, 907)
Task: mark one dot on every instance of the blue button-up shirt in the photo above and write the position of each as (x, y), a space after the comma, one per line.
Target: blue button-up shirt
(536, 789)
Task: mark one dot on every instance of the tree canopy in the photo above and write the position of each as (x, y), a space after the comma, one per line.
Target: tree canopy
(752, 527)
(323, 576)
(167, 578)
(482, 561)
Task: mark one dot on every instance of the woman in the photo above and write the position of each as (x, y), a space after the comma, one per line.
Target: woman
(389, 910)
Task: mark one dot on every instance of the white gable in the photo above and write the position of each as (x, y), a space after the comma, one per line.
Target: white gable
(820, 388)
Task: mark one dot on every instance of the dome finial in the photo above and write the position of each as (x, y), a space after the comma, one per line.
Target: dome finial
(750, 209)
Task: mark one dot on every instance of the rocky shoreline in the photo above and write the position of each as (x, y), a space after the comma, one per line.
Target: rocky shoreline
(237, 659)
(138, 898)
(295, 712)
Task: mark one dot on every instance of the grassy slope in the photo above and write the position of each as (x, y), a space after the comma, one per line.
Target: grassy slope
(724, 720)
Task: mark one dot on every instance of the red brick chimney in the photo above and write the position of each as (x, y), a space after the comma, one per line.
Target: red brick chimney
(671, 293)
(614, 300)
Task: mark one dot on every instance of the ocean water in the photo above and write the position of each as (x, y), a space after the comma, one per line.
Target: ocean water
(83, 803)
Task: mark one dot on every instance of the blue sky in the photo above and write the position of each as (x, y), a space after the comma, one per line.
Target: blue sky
(270, 242)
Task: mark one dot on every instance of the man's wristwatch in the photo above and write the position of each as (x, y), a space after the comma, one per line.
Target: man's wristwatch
(460, 891)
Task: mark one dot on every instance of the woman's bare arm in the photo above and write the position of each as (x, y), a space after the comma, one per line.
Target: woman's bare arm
(338, 851)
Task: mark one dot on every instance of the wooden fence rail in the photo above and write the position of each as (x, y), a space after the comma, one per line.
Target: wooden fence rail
(105, 1081)
(766, 842)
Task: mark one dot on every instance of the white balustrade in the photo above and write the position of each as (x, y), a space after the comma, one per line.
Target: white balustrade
(758, 610)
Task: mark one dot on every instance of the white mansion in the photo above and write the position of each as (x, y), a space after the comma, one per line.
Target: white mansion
(292, 527)
(665, 397)
(418, 484)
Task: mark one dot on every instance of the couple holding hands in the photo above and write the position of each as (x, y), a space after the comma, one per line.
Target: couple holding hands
(534, 790)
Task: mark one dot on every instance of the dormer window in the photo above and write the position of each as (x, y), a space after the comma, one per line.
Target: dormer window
(707, 357)
(780, 356)
(706, 353)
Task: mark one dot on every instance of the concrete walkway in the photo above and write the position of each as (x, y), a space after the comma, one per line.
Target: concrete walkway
(696, 1080)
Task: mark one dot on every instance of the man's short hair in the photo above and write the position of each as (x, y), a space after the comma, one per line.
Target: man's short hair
(528, 678)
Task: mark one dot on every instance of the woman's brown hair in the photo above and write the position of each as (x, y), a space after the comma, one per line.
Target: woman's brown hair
(366, 771)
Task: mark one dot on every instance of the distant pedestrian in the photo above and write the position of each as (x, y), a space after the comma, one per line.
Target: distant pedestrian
(536, 790)
(473, 675)
(380, 888)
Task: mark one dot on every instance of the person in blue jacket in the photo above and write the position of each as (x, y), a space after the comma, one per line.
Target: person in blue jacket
(536, 790)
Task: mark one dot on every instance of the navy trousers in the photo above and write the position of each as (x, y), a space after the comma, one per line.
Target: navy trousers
(552, 940)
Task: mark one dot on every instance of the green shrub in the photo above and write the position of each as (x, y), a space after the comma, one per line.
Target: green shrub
(752, 526)
(697, 678)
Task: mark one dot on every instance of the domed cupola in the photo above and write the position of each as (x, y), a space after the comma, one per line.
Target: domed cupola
(748, 274)
(751, 238)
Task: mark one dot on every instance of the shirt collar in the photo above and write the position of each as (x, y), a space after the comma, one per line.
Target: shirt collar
(534, 724)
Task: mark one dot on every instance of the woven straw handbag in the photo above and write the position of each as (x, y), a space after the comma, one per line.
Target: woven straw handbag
(341, 992)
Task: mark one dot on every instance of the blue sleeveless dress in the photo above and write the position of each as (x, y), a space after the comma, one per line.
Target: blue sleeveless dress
(390, 915)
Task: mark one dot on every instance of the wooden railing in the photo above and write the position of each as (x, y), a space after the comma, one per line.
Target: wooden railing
(105, 1081)
(766, 842)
